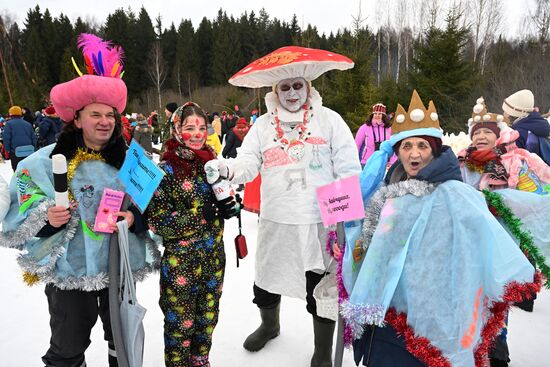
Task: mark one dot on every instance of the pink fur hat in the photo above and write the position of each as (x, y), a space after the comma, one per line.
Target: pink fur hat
(69, 97)
(106, 87)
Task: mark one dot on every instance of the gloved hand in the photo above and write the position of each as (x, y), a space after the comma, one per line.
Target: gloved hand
(227, 207)
(215, 169)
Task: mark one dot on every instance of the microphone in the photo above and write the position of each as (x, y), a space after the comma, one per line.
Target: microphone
(59, 168)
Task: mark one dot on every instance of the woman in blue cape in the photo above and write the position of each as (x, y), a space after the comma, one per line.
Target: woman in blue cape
(428, 276)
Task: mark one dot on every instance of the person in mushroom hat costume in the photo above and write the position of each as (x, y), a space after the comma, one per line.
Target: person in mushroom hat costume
(60, 246)
(426, 278)
(297, 146)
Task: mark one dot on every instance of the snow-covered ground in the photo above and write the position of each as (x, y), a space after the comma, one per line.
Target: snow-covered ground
(24, 319)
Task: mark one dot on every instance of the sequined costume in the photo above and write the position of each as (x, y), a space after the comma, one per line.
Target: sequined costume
(182, 211)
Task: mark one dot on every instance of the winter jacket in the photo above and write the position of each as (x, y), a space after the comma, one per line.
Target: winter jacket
(73, 256)
(4, 198)
(143, 134)
(17, 133)
(368, 139)
(227, 125)
(289, 185)
(233, 140)
(213, 140)
(217, 125)
(48, 129)
(534, 123)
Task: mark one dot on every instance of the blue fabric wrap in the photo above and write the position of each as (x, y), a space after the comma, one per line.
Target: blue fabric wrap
(532, 209)
(432, 257)
(84, 262)
(370, 180)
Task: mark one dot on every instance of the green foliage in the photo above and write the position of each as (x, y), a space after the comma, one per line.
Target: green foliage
(199, 60)
(443, 74)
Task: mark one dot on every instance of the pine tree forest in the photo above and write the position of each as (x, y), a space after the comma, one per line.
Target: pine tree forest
(452, 56)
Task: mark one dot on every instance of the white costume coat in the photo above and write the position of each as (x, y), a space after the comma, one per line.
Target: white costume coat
(291, 239)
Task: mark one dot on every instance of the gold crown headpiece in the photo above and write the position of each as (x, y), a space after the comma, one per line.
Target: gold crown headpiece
(480, 114)
(416, 117)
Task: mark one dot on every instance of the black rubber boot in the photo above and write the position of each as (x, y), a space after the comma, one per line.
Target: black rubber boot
(269, 329)
(323, 331)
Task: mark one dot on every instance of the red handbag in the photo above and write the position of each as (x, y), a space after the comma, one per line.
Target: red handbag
(240, 240)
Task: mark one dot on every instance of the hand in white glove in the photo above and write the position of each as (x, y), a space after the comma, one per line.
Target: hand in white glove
(215, 169)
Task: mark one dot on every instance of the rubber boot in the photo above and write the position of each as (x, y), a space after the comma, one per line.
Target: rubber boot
(323, 331)
(269, 329)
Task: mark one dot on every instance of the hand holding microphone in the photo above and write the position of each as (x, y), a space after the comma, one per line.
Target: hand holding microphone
(59, 214)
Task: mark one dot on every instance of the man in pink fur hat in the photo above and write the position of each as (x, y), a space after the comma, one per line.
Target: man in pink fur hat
(61, 246)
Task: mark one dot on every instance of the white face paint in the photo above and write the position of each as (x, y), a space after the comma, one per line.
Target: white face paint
(292, 93)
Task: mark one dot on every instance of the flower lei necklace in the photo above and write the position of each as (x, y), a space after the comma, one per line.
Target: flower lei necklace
(296, 147)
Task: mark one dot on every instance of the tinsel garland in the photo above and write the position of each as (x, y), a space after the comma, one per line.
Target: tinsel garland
(342, 297)
(331, 238)
(418, 346)
(26, 231)
(514, 225)
(342, 294)
(513, 292)
(81, 155)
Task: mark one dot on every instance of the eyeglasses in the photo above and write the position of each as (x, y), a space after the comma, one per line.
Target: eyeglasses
(295, 86)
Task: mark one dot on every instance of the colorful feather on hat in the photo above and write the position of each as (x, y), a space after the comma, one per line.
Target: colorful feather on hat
(100, 56)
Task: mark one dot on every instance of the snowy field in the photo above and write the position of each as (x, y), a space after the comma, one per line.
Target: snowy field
(24, 323)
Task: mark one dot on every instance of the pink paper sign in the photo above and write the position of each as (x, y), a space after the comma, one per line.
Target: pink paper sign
(341, 201)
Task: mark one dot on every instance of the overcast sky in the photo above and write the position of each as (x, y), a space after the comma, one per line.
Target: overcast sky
(326, 15)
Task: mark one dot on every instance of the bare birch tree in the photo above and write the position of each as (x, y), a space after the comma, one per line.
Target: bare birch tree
(541, 22)
(157, 71)
(400, 24)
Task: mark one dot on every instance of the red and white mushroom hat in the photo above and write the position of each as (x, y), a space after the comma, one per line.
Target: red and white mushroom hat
(289, 62)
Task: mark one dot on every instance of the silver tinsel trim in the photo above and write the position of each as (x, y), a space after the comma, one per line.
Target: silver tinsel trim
(357, 316)
(153, 248)
(46, 271)
(376, 203)
(26, 231)
(92, 283)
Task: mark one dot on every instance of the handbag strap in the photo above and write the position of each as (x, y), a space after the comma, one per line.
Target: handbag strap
(129, 291)
(239, 201)
(328, 266)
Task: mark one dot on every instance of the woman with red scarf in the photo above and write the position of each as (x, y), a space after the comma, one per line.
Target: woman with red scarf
(185, 212)
(493, 162)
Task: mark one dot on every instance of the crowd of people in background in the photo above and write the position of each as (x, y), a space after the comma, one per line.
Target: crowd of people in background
(428, 215)
(41, 128)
